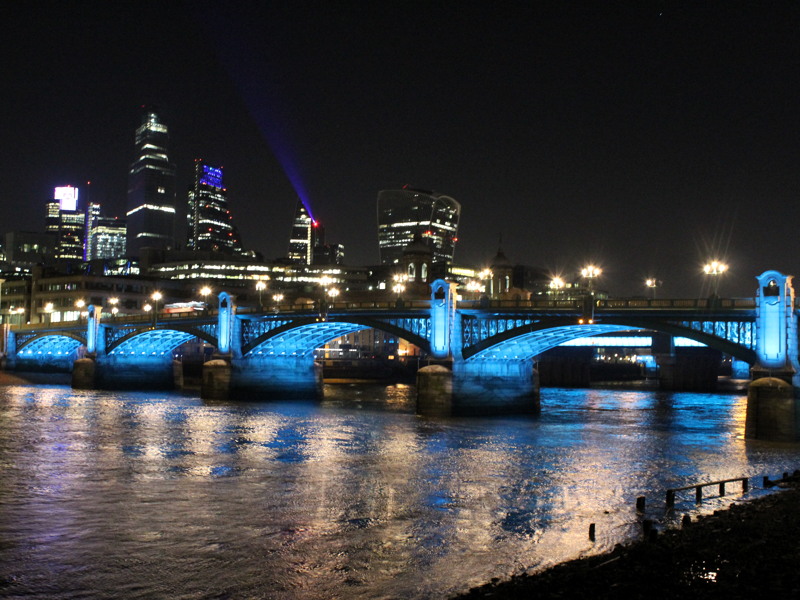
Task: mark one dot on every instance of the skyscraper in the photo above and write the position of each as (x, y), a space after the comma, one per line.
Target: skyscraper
(92, 215)
(151, 188)
(304, 235)
(67, 222)
(209, 219)
(407, 212)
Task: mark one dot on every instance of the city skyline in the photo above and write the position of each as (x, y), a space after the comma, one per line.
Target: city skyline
(647, 139)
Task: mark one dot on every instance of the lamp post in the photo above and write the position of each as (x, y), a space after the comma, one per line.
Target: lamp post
(156, 296)
(113, 302)
(486, 275)
(79, 304)
(715, 270)
(260, 286)
(557, 285)
(277, 299)
(333, 292)
(652, 283)
(205, 292)
(590, 272)
(398, 288)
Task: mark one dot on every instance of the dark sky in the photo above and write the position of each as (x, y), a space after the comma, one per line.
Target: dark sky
(647, 137)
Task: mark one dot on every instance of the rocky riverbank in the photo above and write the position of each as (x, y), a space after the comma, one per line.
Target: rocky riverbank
(750, 550)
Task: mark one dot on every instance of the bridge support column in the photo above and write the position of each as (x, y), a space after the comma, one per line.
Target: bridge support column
(84, 371)
(481, 387)
(435, 390)
(215, 383)
(278, 378)
(691, 369)
(127, 373)
(773, 412)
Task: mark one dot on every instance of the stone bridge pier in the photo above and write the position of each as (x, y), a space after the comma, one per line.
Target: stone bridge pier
(256, 378)
(773, 406)
(470, 386)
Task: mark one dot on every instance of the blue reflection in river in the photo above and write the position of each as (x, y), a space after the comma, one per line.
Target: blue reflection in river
(141, 495)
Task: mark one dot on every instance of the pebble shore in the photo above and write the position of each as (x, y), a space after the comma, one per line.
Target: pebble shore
(750, 550)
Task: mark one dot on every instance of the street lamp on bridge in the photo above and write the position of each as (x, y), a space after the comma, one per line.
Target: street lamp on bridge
(557, 285)
(652, 283)
(205, 292)
(715, 269)
(156, 296)
(79, 304)
(260, 286)
(590, 272)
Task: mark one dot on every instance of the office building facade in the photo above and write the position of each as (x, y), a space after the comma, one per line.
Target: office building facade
(406, 213)
(107, 238)
(304, 235)
(66, 222)
(210, 223)
(151, 188)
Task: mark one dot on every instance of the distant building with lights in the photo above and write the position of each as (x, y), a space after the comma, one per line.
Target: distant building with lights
(151, 188)
(90, 220)
(406, 213)
(66, 222)
(210, 223)
(304, 236)
(107, 238)
(28, 248)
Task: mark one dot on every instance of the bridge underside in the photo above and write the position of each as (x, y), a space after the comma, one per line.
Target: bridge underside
(151, 343)
(301, 341)
(48, 353)
(516, 346)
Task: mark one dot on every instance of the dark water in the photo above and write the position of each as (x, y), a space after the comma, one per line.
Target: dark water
(142, 495)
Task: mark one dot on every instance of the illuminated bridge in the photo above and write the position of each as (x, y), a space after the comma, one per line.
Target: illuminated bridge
(488, 349)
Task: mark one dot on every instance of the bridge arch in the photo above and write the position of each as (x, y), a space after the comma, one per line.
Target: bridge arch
(528, 341)
(160, 340)
(50, 344)
(301, 337)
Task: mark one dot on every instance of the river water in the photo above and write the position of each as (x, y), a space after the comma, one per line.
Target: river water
(162, 495)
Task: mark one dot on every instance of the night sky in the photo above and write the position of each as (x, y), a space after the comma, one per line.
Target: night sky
(645, 137)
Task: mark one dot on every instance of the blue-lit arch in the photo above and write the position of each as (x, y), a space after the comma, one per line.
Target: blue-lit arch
(50, 345)
(156, 341)
(528, 341)
(523, 343)
(303, 336)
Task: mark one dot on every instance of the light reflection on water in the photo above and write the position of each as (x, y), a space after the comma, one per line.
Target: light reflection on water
(141, 495)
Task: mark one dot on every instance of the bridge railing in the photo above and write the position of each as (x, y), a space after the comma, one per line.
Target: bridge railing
(316, 307)
(614, 303)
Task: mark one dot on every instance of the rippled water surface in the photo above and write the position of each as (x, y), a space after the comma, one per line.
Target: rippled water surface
(142, 495)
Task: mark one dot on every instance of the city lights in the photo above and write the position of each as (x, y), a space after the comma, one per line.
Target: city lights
(715, 269)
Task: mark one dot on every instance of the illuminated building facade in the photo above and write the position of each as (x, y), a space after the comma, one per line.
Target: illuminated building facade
(92, 215)
(405, 213)
(107, 238)
(66, 222)
(304, 236)
(151, 189)
(209, 219)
